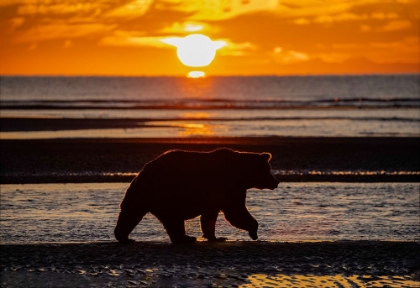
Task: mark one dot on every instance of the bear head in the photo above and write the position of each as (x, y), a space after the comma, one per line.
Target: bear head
(256, 170)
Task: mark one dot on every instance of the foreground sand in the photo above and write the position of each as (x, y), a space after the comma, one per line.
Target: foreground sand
(229, 264)
(103, 160)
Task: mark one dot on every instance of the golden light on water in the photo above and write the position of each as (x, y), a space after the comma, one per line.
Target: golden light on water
(196, 115)
(296, 280)
(196, 129)
(195, 50)
(196, 74)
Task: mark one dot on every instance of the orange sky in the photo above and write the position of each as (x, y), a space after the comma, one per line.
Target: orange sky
(109, 37)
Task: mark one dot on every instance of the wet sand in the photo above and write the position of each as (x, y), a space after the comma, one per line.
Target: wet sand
(203, 264)
(310, 159)
(230, 264)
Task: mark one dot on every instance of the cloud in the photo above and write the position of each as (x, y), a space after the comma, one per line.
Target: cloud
(396, 25)
(340, 17)
(132, 39)
(59, 30)
(16, 22)
(237, 49)
(215, 10)
(289, 56)
(180, 5)
(301, 21)
(189, 27)
(10, 2)
(381, 15)
(295, 9)
(136, 39)
(132, 9)
(406, 50)
(333, 11)
(47, 7)
(333, 57)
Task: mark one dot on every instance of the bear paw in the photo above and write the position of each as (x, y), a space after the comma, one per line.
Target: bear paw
(126, 241)
(220, 239)
(253, 235)
(183, 240)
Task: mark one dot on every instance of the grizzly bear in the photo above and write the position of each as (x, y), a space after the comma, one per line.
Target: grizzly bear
(180, 185)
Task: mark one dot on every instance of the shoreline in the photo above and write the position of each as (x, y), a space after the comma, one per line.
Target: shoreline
(46, 124)
(205, 264)
(308, 159)
(44, 179)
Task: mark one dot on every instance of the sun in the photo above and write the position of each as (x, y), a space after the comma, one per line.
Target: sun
(195, 50)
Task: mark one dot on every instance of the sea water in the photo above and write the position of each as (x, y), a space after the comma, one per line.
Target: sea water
(315, 106)
(36, 213)
(302, 106)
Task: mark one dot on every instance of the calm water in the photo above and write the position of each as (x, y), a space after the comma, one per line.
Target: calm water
(319, 106)
(292, 212)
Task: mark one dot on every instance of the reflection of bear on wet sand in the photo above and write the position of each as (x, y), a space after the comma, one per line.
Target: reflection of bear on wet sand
(181, 185)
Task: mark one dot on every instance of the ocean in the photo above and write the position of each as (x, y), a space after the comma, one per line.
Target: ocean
(173, 107)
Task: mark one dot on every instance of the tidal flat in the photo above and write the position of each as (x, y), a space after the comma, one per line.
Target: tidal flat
(86, 212)
(311, 234)
(203, 264)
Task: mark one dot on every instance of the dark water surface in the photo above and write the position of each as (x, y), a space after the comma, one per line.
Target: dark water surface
(317, 106)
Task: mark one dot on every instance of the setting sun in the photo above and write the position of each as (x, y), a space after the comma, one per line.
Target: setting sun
(195, 50)
(249, 37)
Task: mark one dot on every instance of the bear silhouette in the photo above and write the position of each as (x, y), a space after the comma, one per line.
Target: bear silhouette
(180, 185)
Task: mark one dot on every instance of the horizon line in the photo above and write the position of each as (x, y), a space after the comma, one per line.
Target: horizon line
(215, 75)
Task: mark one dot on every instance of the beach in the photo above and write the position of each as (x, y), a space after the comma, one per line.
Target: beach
(235, 263)
(345, 150)
(230, 264)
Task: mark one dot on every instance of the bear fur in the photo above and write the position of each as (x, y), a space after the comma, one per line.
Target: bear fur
(180, 185)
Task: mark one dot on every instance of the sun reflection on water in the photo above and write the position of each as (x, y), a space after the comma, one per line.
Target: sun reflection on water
(196, 74)
(196, 87)
(196, 115)
(196, 129)
(339, 280)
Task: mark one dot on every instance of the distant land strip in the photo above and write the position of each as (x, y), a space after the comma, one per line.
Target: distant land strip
(11, 124)
(341, 159)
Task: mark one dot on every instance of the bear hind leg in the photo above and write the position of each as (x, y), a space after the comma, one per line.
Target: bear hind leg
(176, 230)
(208, 226)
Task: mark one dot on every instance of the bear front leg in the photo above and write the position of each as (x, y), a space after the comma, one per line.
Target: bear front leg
(127, 220)
(176, 231)
(239, 217)
(208, 226)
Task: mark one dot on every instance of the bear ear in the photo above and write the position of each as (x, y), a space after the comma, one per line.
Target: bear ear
(266, 156)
